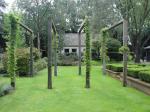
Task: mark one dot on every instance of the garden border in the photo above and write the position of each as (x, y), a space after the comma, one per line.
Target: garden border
(132, 82)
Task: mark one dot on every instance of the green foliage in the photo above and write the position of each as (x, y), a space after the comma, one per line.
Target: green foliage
(20, 40)
(136, 12)
(113, 45)
(114, 67)
(69, 60)
(124, 49)
(138, 71)
(144, 76)
(40, 64)
(22, 60)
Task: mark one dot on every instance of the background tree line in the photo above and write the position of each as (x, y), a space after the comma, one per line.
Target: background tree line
(68, 15)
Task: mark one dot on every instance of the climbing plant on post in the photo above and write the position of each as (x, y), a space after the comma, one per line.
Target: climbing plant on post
(103, 49)
(11, 49)
(87, 53)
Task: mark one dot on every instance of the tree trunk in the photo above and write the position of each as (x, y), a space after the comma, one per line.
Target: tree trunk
(38, 41)
(137, 51)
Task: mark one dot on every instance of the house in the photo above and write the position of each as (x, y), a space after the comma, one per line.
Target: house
(71, 43)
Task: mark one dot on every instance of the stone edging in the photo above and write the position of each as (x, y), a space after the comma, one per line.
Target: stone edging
(132, 82)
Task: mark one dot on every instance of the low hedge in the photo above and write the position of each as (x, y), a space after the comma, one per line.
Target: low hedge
(115, 67)
(144, 76)
(139, 71)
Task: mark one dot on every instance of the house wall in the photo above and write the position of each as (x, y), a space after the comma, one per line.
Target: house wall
(70, 50)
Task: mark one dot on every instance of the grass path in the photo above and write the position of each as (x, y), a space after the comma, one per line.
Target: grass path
(69, 95)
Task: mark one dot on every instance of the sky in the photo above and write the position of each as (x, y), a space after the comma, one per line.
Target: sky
(9, 3)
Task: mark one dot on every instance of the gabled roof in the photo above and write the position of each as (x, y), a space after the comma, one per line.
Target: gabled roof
(71, 40)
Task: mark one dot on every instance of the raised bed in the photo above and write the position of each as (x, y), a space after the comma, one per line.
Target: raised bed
(132, 82)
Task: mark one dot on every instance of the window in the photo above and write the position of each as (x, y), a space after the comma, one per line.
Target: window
(74, 50)
(66, 50)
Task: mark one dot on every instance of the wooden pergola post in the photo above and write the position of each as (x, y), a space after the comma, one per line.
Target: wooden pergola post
(49, 54)
(55, 48)
(55, 56)
(125, 55)
(103, 61)
(31, 56)
(79, 47)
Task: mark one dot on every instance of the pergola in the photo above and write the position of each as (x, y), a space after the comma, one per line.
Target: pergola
(125, 54)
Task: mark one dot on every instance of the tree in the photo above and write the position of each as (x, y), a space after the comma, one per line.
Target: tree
(35, 14)
(137, 13)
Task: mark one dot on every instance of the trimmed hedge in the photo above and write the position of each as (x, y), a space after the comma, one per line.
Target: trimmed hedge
(144, 76)
(115, 67)
(139, 71)
(134, 72)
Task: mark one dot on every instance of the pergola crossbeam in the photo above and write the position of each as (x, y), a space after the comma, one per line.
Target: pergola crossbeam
(82, 26)
(25, 27)
(115, 25)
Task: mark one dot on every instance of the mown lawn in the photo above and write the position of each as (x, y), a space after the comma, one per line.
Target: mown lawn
(69, 95)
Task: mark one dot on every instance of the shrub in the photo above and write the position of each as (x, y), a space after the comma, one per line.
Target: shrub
(134, 72)
(23, 56)
(5, 89)
(113, 46)
(144, 76)
(69, 60)
(115, 67)
(40, 64)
